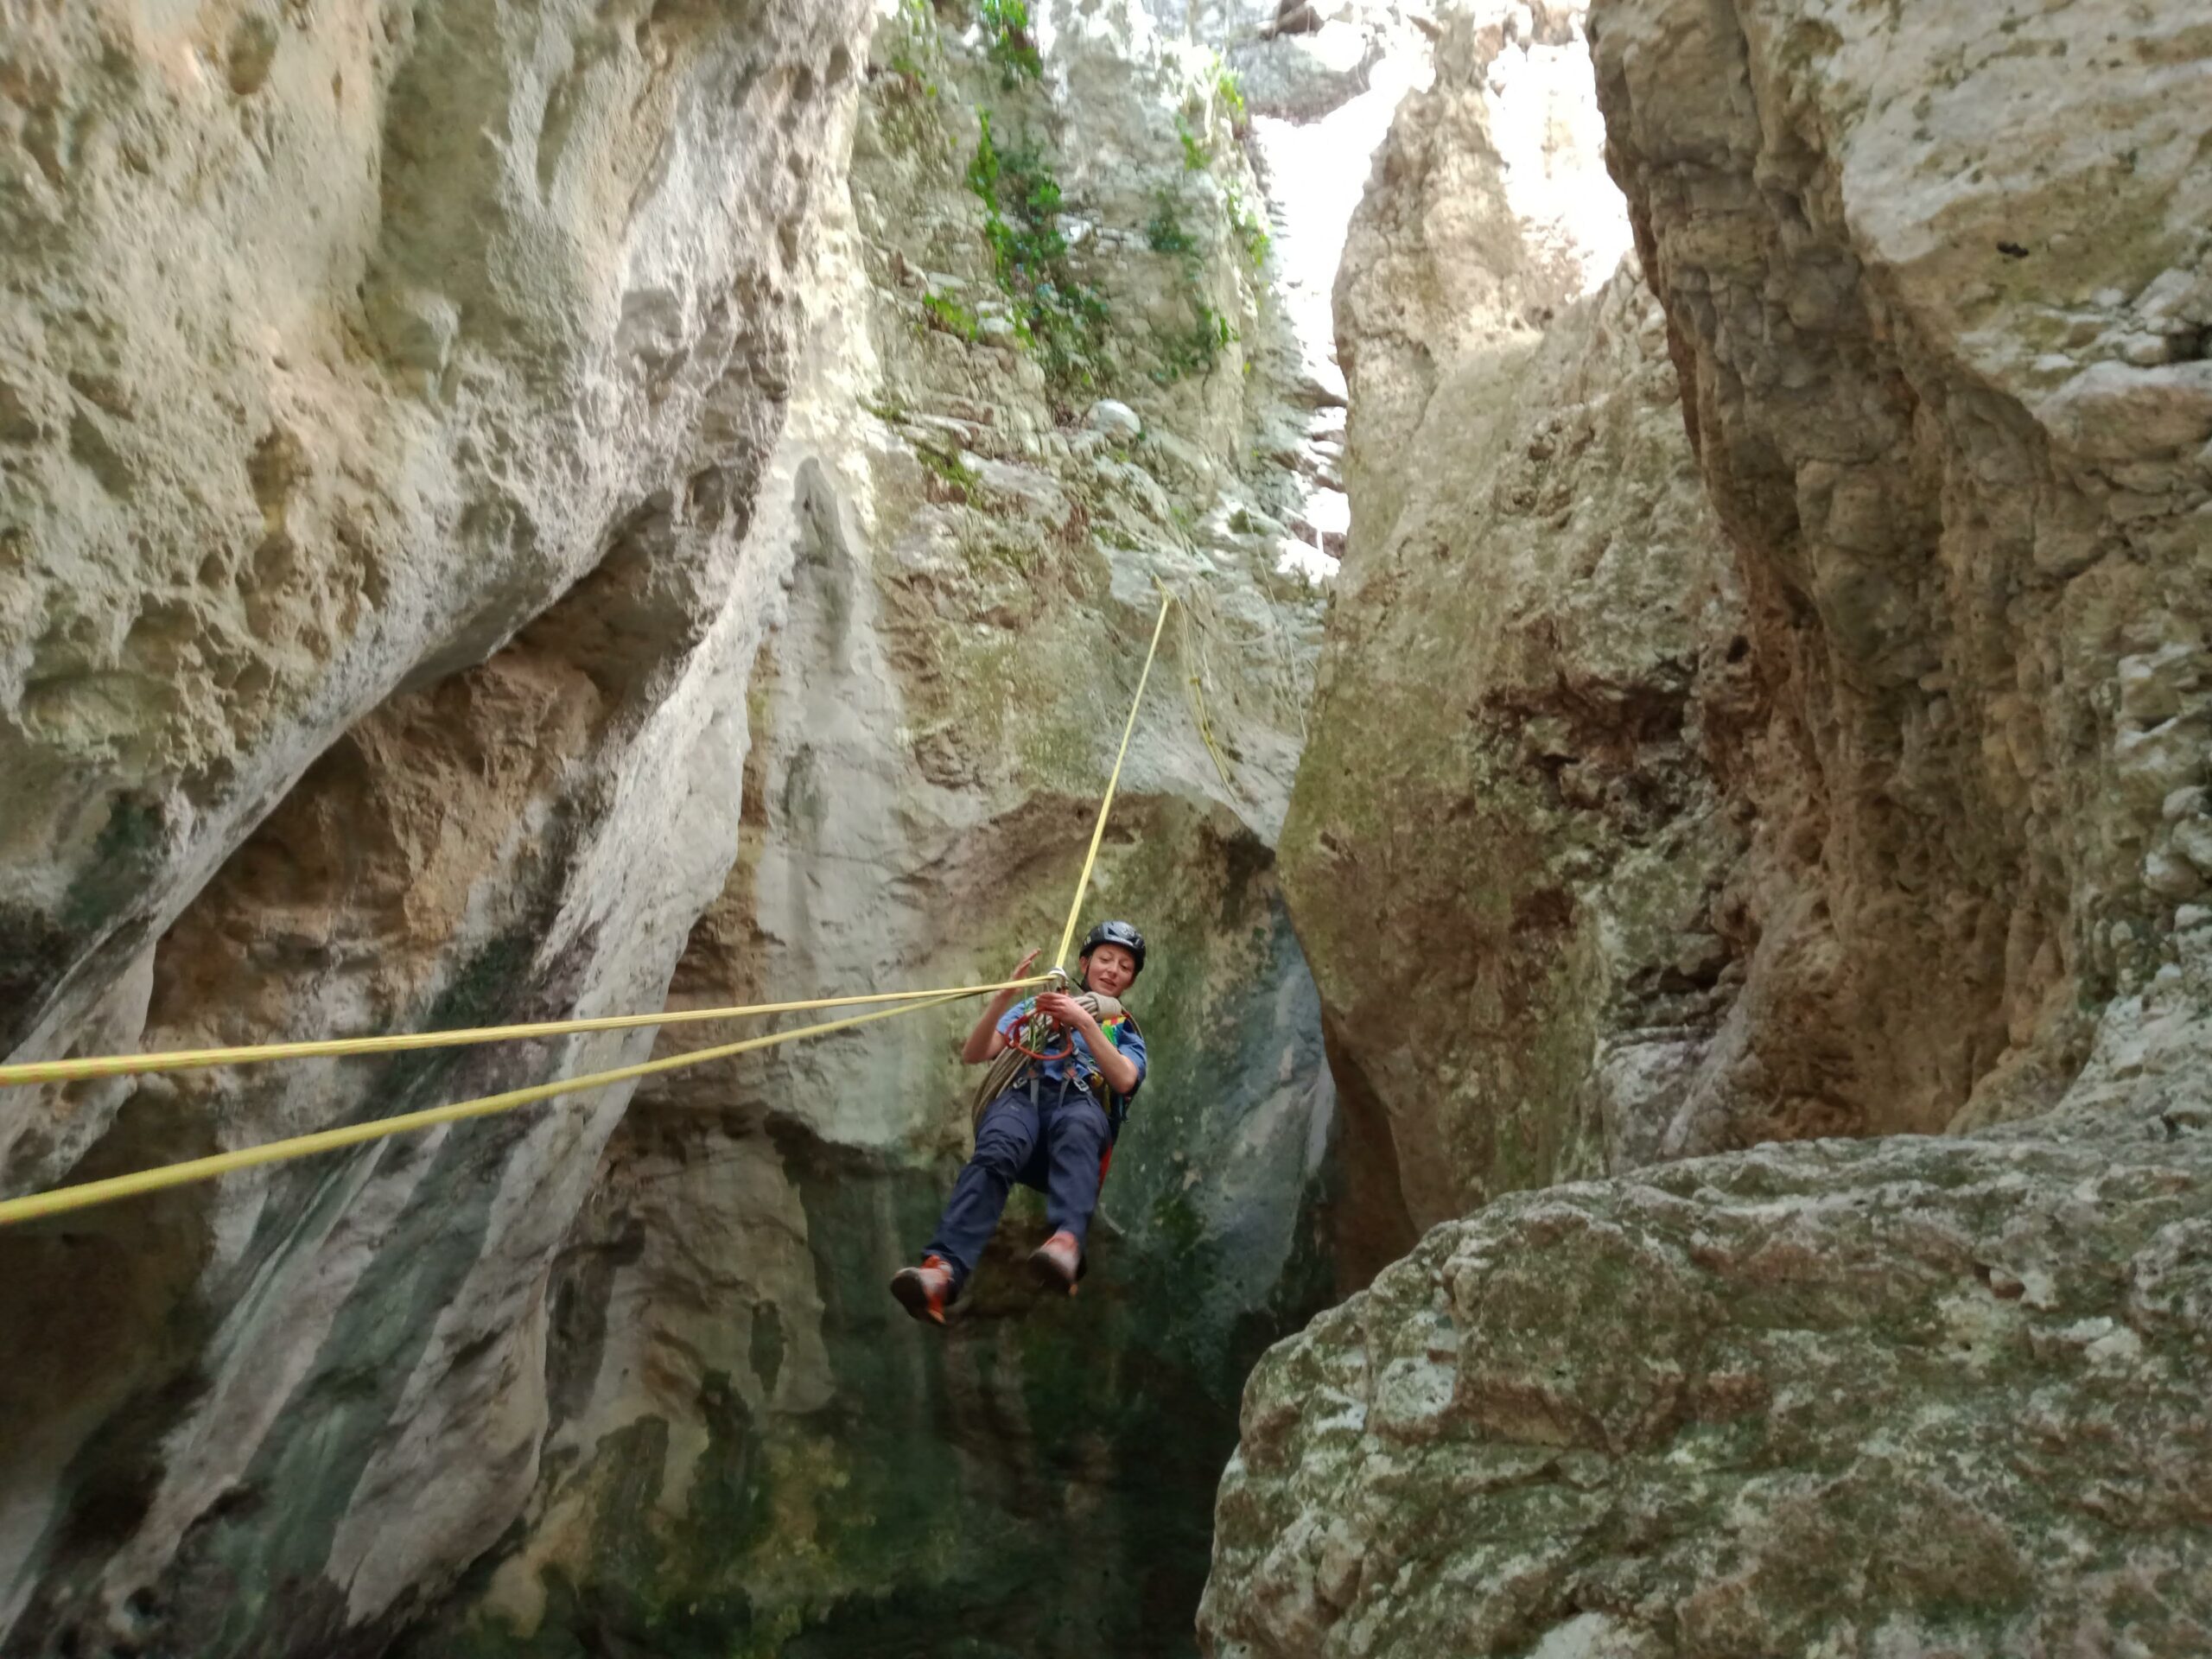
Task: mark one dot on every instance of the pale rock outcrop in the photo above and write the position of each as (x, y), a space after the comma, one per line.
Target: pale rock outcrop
(749, 1442)
(1936, 290)
(344, 340)
(1302, 61)
(1488, 212)
(632, 380)
(1939, 284)
(520, 556)
(1921, 1395)
(1507, 841)
(1506, 844)
(1971, 511)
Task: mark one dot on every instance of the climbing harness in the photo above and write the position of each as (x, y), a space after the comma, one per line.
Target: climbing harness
(1018, 1057)
(83, 1194)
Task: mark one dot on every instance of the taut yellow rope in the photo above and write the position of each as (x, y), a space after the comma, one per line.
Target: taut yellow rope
(87, 1193)
(60, 1200)
(123, 1065)
(1113, 783)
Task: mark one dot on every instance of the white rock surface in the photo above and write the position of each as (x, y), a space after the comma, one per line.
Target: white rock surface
(455, 289)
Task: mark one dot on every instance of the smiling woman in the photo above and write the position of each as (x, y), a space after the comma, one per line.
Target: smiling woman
(550, 610)
(1050, 1121)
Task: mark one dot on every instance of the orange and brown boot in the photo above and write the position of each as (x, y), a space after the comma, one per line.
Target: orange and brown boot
(1057, 1261)
(925, 1291)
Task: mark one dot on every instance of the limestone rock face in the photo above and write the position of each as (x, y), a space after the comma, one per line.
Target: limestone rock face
(1507, 841)
(1509, 900)
(390, 391)
(342, 342)
(621, 341)
(749, 1446)
(1488, 213)
(1935, 291)
(1915, 1396)
(1939, 293)
(1958, 713)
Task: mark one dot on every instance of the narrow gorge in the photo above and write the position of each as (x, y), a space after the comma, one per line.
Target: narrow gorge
(1673, 818)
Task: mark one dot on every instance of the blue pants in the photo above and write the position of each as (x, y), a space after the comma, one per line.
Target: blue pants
(1055, 1145)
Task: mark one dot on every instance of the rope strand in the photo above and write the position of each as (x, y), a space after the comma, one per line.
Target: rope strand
(1113, 783)
(84, 1194)
(131, 1065)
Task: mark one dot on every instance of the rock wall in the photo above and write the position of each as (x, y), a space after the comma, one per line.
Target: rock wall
(1952, 713)
(625, 339)
(421, 445)
(1510, 844)
(1939, 303)
(1935, 289)
(751, 1448)
(353, 419)
(1917, 1395)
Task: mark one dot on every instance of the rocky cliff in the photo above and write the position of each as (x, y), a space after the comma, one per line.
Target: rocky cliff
(1915, 1395)
(755, 1446)
(1950, 716)
(1509, 842)
(397, 503)
(1924, 790)
(398, 540)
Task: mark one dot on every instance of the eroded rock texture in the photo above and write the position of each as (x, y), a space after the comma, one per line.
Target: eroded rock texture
(1921, 1395)
(1938, 287)
(1507, 846)
(1943, 389)
(749, 1446)
(1935, 286)
(440, 298)
(542, 361)
(361, 381)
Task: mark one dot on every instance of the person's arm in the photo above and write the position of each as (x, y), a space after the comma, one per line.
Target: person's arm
(1120, 1071)
(986, 1042)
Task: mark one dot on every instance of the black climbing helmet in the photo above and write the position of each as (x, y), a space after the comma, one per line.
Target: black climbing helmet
(1118, 933)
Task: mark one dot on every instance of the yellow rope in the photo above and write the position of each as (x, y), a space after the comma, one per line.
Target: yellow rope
(87, 1194)
(60, 1200)
(1113, 782)
(121, 1065)
(1193, 677)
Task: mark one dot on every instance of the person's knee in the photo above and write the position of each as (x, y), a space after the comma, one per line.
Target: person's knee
(1085, 1127)
(1002, 1145)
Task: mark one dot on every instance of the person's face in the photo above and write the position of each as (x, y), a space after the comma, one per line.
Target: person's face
(1108, 969)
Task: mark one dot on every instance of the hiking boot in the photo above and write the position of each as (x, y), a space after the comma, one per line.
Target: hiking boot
(1057, 1261)
(923, 1291)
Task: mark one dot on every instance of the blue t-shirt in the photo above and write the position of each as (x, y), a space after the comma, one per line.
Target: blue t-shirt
(1120, 1030)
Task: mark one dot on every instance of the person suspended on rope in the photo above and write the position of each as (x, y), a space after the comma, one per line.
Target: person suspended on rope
(1064, 1068)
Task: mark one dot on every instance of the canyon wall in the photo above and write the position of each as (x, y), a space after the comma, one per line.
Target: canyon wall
(1947, 710)
(1935, 292)
(753, 1444)
(533, 511)
(384, 442)
(1509, 846)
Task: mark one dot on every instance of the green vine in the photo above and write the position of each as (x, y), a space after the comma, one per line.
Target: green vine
(1166, 234)
(1195, 153)
(1251, 229)
(1057, 313)
(1196, 350)
(1008, 42)
(948, 314)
